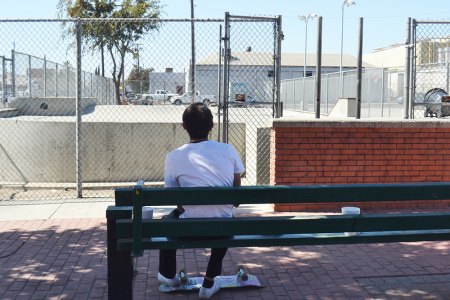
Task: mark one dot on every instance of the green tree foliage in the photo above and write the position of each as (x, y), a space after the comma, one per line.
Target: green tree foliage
(117, 36)
(138, 79)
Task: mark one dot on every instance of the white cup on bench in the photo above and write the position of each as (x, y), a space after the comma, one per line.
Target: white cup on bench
(351, 210)
(147, 212)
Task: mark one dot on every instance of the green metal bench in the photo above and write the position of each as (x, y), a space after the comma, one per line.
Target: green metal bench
(128, 235)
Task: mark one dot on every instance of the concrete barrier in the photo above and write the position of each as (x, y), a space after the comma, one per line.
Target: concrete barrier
(43, 149)
(49, 106)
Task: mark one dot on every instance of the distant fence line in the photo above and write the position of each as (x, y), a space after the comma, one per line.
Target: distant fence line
(382, 92)
(31, 76)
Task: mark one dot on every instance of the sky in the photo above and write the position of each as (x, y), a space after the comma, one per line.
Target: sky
(384, 20)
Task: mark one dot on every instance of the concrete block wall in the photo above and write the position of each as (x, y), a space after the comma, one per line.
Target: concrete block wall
(345, 152)
(42, 151)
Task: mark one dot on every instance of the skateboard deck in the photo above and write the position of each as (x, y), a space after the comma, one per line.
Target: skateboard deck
(239, 280)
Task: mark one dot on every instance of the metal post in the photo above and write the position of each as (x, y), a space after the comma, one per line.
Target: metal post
(318, 66)
(412, 69)
(78, 140)
(226, 76)
(326, 91)
(341, 85)
(382, 92)
(447, 67)
(192, 52)
(406, 77)
(3, 80)
(30, 88)
(92, 87)
(45, 76)
(279, 35)
(219, 84)
(67, 81)
(13, 73)
(293, 94)
(306, 49)
(344, 3)
(56, 80)
(359, 70)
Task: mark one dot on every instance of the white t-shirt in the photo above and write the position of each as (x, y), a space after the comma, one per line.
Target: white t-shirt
(203, 164)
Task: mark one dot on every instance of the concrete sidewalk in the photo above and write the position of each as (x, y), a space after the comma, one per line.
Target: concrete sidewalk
(58, 251)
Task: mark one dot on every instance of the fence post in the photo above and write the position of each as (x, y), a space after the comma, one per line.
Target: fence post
(382, 92)
(226, 76)
(303, 94)
(78, 112)
(326, 92)
(193, 63)
(56, 80)
(318, 66)
(13, 73)
(406, 78)
(4, 91)
(29, 78)
(412, 68)
(359, 70)
(447, 68)
(279, 35)
(45, 76)
(219, 86)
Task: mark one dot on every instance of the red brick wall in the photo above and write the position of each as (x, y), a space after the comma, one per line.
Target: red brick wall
(345, 152)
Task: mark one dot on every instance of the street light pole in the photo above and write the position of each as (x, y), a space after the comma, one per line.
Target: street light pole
(344, 3)
(305, 19)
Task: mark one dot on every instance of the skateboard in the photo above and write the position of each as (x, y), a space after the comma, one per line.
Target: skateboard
(240, 279)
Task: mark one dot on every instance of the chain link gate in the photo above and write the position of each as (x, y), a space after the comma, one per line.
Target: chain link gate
(252, 47)
(82, 125)
(430, 68)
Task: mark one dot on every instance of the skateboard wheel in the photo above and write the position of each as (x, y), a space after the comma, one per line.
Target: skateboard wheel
(183, 277)
(241, 274)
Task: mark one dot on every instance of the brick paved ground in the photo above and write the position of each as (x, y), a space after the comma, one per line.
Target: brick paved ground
(66, 259)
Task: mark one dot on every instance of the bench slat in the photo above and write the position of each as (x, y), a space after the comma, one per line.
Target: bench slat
(296, 194)
(123, 196)
(289, 240)
(286, 225)
(118, 212)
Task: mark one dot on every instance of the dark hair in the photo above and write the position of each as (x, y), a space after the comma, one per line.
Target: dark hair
(198, 120)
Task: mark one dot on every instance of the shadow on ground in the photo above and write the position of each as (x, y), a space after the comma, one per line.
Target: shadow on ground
(66, 259)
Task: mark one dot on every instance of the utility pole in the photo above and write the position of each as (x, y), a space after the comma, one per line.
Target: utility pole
(137, 56)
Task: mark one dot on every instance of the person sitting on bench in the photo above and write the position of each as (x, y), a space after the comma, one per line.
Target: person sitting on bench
(200, 163)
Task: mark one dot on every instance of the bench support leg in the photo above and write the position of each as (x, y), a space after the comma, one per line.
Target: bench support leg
(120, 267)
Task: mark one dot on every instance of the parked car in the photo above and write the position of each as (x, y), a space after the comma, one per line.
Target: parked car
(159, 95)
(437, 103)
(246, 100)
(186, 98)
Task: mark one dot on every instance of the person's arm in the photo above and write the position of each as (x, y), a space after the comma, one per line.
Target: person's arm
(237, 179)
(237, 182)
(171, 181)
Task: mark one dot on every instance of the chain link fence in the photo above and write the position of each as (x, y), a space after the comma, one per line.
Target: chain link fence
(430, 68)
(61, 140)
(381, 95)
(252, 81)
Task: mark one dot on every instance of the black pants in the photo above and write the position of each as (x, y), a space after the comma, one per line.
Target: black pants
(168, 262)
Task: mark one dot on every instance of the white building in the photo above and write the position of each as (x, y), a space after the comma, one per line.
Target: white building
(252, 72)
